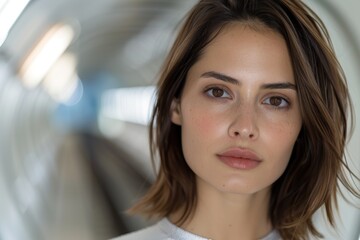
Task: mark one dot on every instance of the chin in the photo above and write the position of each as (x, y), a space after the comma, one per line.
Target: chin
(242, 188)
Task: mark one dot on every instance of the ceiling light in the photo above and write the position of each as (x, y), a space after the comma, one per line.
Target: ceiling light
(45, 54)
(9, 13)
(61, 81)
(128, 104)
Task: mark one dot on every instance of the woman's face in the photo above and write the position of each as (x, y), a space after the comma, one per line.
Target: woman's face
(239, 112)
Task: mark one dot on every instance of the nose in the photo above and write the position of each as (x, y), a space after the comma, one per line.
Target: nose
(244, 124)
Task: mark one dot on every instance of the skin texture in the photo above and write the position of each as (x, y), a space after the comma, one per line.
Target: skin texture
(240, 94)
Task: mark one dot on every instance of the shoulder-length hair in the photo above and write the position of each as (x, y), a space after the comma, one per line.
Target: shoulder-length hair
(317, 162)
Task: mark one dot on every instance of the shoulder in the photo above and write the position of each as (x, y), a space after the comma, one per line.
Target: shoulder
(150, 233)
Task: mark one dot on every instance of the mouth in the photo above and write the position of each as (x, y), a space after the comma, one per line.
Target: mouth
(239, 158)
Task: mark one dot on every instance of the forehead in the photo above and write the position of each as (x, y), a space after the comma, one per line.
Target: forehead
(243, 39)
(251, 50)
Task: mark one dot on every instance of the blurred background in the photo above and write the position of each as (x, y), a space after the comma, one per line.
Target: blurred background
(76, 89)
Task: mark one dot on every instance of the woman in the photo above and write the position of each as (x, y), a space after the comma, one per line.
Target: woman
(251, 124)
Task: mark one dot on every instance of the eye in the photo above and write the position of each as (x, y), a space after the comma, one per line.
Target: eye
(217, 92)
(277, 102)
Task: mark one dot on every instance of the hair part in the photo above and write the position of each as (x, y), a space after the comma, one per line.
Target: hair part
(308, 183)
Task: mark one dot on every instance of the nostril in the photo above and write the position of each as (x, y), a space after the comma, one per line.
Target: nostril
(248, 135)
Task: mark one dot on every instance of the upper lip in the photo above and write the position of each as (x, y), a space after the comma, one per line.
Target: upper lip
(240, 153)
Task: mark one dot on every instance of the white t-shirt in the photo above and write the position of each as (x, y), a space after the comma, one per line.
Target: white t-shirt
(165, 230)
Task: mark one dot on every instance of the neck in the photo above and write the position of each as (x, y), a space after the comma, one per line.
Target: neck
(227, 216)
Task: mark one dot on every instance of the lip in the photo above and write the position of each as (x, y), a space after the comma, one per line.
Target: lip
(240, 158)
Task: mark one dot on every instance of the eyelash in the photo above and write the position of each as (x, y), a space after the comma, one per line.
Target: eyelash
(209, 92)
(283, 100)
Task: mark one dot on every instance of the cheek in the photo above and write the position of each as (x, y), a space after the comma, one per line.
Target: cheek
(282, 128)
(201, 132)
(281, 133)
(281, 139)
(200, 122)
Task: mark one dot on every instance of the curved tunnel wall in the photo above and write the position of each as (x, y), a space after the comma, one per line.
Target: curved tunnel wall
(341, 19)
(28, 144)
(29, 139)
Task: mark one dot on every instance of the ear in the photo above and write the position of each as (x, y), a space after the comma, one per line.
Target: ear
(175, 112)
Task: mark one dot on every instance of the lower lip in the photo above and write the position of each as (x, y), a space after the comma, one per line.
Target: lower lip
(239, 163)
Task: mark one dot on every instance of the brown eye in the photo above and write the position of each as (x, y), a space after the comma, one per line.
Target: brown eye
(217, 92)
(276, 101)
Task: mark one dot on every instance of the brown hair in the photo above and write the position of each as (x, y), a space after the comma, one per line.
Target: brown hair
(309, 181)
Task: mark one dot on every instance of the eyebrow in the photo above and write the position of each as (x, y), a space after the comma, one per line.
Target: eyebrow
(221, 77)
(285, 85)
(225, 78)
